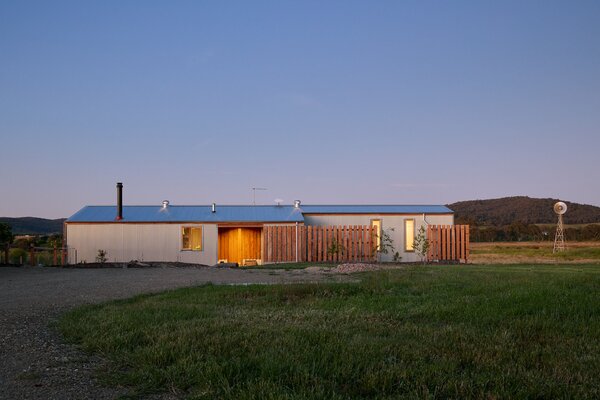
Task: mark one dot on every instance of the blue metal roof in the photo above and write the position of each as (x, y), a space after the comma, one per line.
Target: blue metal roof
(376, 209)
(189, 214)
(241, 213)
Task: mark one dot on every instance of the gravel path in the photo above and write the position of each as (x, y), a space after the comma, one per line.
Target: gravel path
(35, 363)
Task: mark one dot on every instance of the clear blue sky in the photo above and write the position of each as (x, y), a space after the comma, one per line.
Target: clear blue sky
(327, 102)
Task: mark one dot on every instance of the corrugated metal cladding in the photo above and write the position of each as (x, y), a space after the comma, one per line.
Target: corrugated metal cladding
(241, 213)
(376, 209)
(190, 214)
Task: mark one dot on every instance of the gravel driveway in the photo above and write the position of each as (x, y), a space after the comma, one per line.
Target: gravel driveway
(35, 363)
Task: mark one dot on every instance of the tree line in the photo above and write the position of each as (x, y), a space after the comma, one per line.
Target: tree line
(520, 232)
(505, 211)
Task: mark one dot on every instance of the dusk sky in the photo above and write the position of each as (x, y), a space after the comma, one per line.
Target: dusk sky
(327, 102)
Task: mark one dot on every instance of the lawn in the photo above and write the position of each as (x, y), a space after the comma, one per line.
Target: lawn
(534, 252)
(518, 331)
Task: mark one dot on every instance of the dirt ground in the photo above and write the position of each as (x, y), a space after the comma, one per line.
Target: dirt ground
(533, 252)
(35, 363)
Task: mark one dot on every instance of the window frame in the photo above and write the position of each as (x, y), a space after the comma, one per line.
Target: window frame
(182, 228)
(414, 234)
(380, 230)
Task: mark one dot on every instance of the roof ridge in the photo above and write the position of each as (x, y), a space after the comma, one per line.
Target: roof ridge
(271, 205)
(371, 205)
(191, 205)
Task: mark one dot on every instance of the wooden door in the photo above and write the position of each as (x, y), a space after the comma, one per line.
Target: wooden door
(237, 244)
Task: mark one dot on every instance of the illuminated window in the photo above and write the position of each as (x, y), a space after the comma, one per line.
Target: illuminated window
(409, 235)
(191, 238)
(376, 223)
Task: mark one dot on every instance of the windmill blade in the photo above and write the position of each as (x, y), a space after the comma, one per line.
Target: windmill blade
(560, 208)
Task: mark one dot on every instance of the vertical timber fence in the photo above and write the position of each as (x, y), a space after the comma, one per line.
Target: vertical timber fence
(347, 243)
(448, 243)
(51, 256)
(48, 256)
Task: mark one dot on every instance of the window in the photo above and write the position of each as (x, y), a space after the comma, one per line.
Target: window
(409, 235)
(376, 223)
(191, 238)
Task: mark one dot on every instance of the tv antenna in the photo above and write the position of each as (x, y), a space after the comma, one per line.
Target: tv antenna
(560, 209)
(254, 189)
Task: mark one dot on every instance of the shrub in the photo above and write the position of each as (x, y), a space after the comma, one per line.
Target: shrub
(101, 257)
(18, 255)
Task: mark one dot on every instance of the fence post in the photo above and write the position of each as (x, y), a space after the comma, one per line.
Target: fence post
(467, 245)
(369, 240)
(32, 256)
(429, 242)
(6, 254)
(281, 246)
(351, 232)
(271, 250)
(326, 246)
(320, 251)
(462, 243)
(54, 257)
(453, 240)
(346, 244)
(303, 243)
(309, 242)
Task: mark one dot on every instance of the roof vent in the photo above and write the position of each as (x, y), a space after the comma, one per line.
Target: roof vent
(165, 204)
(296, 203)
(213, 208)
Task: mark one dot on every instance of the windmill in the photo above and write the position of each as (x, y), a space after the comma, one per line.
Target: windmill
(559, 239)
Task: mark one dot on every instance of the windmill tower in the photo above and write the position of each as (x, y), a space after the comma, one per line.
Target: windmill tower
(559, 239)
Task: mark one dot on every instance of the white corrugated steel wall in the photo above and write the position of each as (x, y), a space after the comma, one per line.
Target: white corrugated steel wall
(124, 242)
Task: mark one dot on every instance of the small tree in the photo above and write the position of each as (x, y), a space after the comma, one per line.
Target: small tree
(335, 248)
(386, 245)
(6, 236)
(101, 257)
(18, 256)
(55, 240)
(23, 243)
(421, 244)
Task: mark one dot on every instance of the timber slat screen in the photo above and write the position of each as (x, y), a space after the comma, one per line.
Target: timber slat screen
(448, 243)
(348, 243)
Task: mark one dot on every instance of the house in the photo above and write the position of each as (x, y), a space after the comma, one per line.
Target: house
(211, 233)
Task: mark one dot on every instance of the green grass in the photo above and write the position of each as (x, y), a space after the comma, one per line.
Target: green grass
(421, 332)
(569, 254)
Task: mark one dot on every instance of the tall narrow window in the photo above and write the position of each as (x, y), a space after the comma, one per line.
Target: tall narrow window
(376, 223)
(409, 235)
(191, 238)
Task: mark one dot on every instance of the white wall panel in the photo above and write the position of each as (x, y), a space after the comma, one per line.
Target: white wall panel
(124, 242)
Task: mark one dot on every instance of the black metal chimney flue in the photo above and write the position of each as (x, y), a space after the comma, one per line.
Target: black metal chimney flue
(119, 201)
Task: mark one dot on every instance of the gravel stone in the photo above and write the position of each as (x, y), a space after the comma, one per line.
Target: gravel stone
(35, 361)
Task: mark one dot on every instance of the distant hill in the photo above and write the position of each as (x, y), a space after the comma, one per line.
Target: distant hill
(504, 211)
(495, 212)
(34, 226)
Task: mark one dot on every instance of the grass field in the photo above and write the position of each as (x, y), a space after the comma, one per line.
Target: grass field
(517, 331)
(534, 252)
